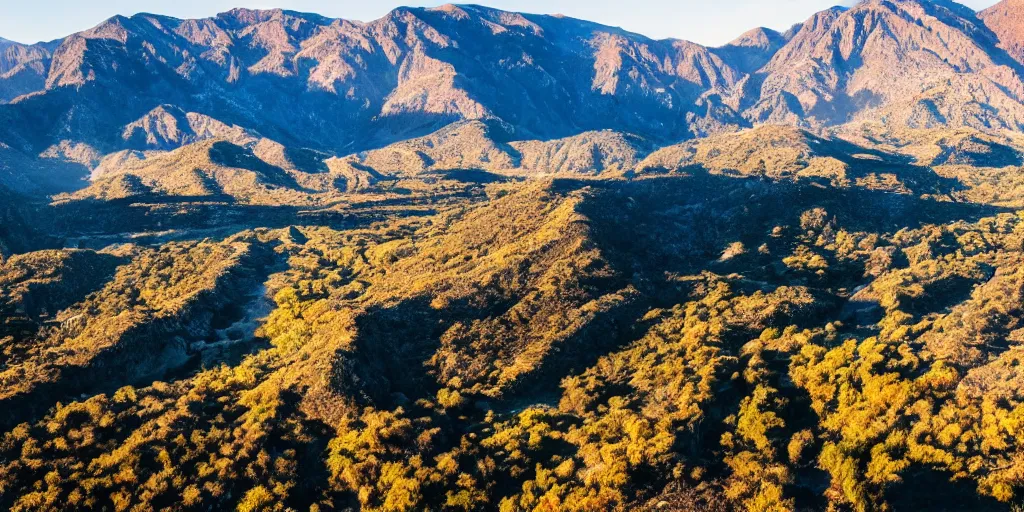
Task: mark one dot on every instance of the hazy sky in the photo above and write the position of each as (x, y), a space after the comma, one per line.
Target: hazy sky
(710, 22)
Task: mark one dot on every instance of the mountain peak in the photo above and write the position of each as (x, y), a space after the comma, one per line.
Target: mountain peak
(917, 62)
(241, 16)
(931, 7)
(115, 27)
(252, 15)
(819, 20)
(760, 37)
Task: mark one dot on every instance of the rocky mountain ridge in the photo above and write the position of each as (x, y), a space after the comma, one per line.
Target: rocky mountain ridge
(155, 82)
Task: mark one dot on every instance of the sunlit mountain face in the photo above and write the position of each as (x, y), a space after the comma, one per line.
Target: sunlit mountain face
(459, 258)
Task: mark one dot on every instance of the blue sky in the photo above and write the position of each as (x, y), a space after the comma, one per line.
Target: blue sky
(707, 22)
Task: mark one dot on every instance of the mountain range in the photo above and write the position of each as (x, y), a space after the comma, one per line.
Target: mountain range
(151, 82)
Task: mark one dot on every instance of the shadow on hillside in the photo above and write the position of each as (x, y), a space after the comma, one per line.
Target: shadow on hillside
(150, 346)
(473, 176)
(41, 302)
(307, 160)
(230, 155)
(665, 224)
(398, 126)
(396, 343)
(646, 229)
(863, 162)
(393, 344)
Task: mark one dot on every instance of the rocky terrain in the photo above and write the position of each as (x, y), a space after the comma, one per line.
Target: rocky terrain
(459, 258)
(1005, 21)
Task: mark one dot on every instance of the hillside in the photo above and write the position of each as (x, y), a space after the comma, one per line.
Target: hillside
(955, 163)
(1006, 21)
(475, 145)
(535, 329)
(252, 170)
(258, 173)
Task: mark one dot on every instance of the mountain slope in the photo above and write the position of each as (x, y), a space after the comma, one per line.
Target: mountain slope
(155, 82)
(168, 127)
(259, 172)
(358, 85)
(1006, 20)
(23, 68)
(475, 145)
(905, 62)
(230, 163)
(753, 49)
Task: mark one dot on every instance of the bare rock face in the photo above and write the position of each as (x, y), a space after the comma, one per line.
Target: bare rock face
(1006, 20)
